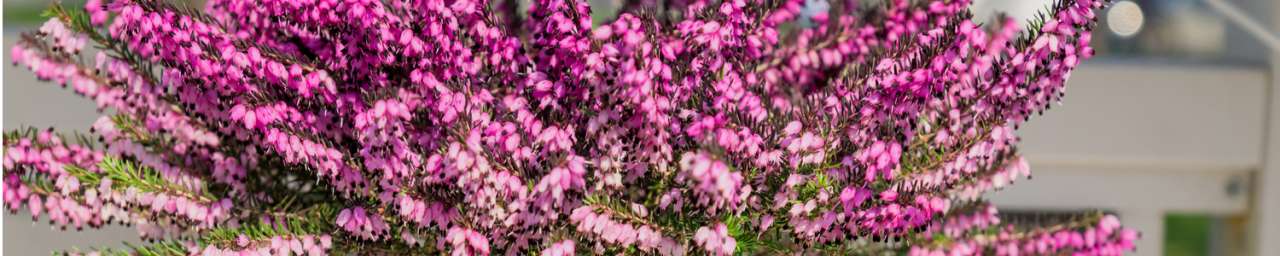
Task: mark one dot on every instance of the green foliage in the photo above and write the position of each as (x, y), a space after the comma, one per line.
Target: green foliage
(312, 220)
(751, 241)
(161, 248)
(127, 174)
(1187, 234)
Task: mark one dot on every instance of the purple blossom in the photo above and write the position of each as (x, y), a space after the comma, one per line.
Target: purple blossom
(472, 128)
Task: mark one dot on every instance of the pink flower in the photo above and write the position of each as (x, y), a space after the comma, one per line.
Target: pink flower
(489, 129)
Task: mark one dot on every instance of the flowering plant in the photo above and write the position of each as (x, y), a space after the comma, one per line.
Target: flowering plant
(473, 127)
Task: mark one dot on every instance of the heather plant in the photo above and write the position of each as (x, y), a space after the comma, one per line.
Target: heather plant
(313, 127)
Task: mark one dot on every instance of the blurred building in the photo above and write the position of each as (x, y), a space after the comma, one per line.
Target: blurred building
(1175, 127)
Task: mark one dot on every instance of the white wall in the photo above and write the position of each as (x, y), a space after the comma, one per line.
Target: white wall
(1146, 139)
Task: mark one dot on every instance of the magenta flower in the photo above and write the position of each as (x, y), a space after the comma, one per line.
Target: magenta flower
(468, 127)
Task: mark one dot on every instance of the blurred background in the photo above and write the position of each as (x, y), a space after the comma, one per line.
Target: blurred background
(1174, 126)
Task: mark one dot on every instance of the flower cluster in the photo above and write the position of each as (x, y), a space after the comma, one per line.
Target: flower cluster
(1105, 237)
(360, 223)
(716, 240)
(471, 127)
(465, 241)
(717, 186)
(47, 176)
(565, 248)
(643, 237)
(63, 38)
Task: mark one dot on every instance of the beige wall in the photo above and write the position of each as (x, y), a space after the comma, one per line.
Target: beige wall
(1146, 139)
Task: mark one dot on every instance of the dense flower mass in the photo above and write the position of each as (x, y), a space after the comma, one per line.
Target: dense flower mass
(472, 127)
